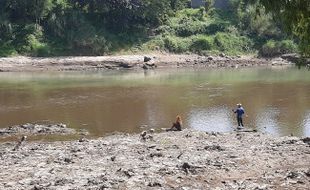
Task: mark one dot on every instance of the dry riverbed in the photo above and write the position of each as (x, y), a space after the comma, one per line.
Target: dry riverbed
(169, 160)
(149, 61)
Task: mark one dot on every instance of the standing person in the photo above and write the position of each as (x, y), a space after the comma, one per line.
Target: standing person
(239, 113)
(177, 126)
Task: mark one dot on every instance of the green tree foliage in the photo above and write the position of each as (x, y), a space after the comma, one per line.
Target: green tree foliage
(295, 14)
(79, 26)
(97, 27)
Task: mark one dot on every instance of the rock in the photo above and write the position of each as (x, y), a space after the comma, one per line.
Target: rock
(27, 126)
(108, 66)
(151, 147)
(292, 57)
(262, 187)
(233, 156)
(291, 141)
(154, 184)
(146, 59)
(36, 187)
(152, 64)
(145, 67)
(156, 154)
(185, 166)
(62, 182)
(214, 147)
(129, 173)
(125, 65)
(68, 160)
(82, 139)
(143, 135)
(307, 173)
(213, 133)
(149, 65)
(292, 175)
(19, 143)
(306, 140)
(143, 126)
(222, 55)
(36, 129)
(83, 132)
(152, 130)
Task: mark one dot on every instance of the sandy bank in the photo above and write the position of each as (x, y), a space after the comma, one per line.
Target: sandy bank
(17, 64)
(170, 160)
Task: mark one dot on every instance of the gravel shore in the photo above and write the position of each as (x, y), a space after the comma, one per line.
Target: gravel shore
(169, 160)
(136, 62)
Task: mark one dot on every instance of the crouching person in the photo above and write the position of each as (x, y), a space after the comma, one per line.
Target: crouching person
(177, 125)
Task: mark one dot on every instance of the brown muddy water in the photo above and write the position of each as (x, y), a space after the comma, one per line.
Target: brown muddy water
(276, 100)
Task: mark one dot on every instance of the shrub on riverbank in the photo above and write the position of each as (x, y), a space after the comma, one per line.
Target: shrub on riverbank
(273, 48)
(194, 30)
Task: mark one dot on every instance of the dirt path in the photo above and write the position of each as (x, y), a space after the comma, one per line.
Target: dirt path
(150, 61)
(170, 160)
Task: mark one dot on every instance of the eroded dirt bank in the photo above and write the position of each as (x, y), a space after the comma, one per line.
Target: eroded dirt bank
(170, 160)
(149, 61)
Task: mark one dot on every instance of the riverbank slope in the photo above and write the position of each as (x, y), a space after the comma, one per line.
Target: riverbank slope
(170, 160)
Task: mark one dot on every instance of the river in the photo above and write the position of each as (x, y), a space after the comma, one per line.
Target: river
(276, 100)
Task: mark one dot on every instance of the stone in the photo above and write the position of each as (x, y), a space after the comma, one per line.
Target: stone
(222, 55)
(146, 59)
(154, 184)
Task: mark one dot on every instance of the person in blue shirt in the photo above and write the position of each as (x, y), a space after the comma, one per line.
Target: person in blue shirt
(239, 112)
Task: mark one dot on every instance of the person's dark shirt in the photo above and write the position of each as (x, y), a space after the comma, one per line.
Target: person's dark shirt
(240, 112)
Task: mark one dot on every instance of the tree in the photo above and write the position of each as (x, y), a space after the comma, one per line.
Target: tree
(295, 14)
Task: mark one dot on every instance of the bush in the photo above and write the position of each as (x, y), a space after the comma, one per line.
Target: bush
(165, 29)
(287, 46)
(177, 45)
(217, 26)
(190, 27)
(274, 48)
(186, 22)
(96, 45)
(7, 50)
(193, 14)
(156, 43)
(42, 51)
(201, 43)
(269, 49)
(231, 43)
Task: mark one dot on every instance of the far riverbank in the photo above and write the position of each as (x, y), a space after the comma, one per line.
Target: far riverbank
(136, 62)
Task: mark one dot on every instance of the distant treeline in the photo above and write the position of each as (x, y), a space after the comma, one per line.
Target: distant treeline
(98, 27)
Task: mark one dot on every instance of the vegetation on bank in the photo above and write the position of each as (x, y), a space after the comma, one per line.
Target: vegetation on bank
(94, 27)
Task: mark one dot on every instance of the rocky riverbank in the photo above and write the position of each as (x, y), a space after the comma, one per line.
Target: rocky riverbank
(150, 61)
(170, 160)
(36, 129)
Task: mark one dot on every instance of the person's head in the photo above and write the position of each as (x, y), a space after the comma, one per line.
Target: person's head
(178, 119)
(239, 105)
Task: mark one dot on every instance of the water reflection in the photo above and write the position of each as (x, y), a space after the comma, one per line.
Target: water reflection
(211, 119)
(267, 120)
(306, 124)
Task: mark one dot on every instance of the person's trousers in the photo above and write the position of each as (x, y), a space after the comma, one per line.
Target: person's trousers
(240, 122)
